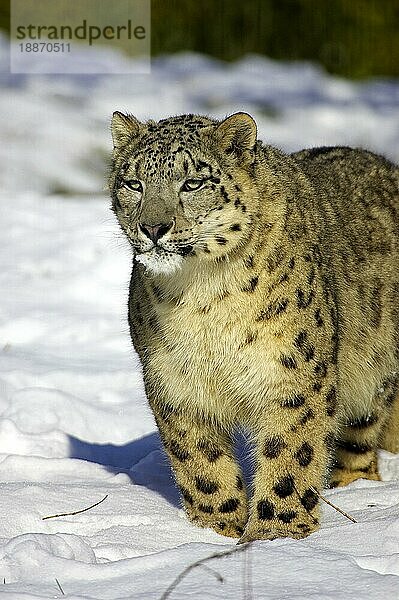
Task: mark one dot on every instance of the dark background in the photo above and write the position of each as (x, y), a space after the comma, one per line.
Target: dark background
(353, 38)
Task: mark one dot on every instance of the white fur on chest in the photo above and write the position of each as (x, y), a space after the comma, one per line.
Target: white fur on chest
(205, 363)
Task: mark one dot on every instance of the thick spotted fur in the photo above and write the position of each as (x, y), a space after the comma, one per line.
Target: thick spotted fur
(264, 295)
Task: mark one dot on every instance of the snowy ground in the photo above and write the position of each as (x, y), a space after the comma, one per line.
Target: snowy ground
(74, 425)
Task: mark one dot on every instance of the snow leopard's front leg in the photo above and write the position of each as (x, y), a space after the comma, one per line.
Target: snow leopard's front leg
(293, 454)
(206, 470)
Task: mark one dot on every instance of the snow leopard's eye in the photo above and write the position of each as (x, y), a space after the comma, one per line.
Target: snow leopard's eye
(133, 185)
(192, 184)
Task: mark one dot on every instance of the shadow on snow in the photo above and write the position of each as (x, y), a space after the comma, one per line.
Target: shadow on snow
(145, 462)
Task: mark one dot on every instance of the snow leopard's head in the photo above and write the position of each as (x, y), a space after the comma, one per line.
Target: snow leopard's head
(183, 188)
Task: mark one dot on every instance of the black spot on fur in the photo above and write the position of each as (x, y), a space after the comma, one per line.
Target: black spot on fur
(294, 401)
(320, 369)
(250, 338)
(229, 506)
(251, 285)
(304, 454)
(288, 362)
(249, 262)
(210, 450)
(205, 309)
(284, 487)
(235, 227)
(302, 300)
(206, 508)
(265, 510)
(291, 263)
(303, 527)
(187, 496)
(275, 259)
(309, 499)
(331, 400)
(239, 483)
(223, 295)
(177, 451)
(205, 486)
(318, 318)
(307, 416)
(224, 193)
(287, 516)
(221, 240)
(274, 446)
(305, 348)
(334, 483)
(311, 276)
(274, 309)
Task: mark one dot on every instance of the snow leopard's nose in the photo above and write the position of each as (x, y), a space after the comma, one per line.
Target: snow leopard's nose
(155, 232)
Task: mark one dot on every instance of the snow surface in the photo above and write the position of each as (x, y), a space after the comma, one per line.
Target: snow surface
(74, 424)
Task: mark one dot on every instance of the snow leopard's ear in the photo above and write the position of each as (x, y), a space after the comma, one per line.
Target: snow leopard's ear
(236, 135)
(124, 129)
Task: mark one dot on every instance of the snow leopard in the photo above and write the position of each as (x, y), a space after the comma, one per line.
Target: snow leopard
(264, 298)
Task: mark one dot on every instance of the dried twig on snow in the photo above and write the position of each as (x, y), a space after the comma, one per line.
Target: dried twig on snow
(59, 587)
(200, 563)
(76, 512)
(345, 514)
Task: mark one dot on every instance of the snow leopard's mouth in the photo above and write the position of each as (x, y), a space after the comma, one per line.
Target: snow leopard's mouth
(185, 250)
(161, 251)
(158, 261)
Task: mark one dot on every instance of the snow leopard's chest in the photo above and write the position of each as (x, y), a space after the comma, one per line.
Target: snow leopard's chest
(216, 358)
